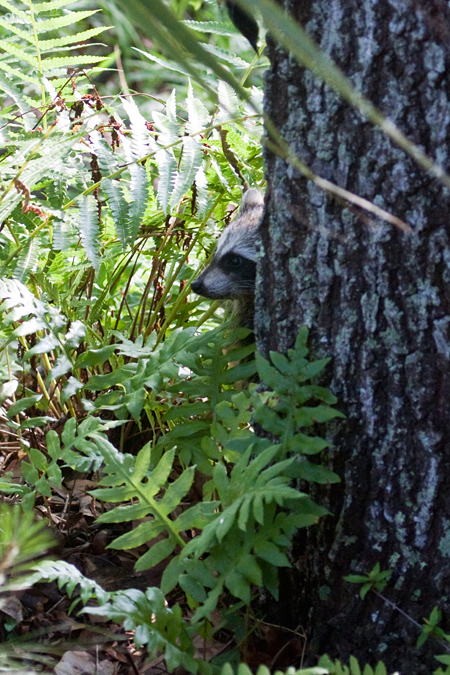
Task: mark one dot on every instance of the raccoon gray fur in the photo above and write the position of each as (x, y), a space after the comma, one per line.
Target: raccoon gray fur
(232, 272)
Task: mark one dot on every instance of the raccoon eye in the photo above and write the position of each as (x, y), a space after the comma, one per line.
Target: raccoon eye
(235, 261)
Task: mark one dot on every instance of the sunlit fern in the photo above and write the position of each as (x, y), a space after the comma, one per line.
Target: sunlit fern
(29, 49)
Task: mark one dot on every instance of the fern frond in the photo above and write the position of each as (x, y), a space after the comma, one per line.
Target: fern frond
(154, 624)
(72, 39)
(136, 148)
(63, 236)
(167, 65)
(19, 53)
(226, 56)
(27, 260)
(201, 184)
(66, 61)
(191, 161)
(18, 74)
(57, 22)
(140, 138)
(198, 115)
(8, 204)
(123, 482)
(68, 576)
(51, 5)
(139, 198)
(89, 227)
(14, 93)
(167, 175)
(228, 102)
(10, 27)
(212, 27)
(14, 10)
(108, 164)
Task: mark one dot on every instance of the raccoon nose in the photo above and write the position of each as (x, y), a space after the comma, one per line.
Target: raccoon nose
(197, 286)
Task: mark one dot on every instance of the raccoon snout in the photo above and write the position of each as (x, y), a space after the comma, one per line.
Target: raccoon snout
(197, 286)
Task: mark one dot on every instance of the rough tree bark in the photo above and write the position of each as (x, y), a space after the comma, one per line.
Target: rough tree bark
(378, 302)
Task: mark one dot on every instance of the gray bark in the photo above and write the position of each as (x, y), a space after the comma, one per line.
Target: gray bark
(378, 302)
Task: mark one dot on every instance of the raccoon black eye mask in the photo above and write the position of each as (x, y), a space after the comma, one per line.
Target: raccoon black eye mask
(232, 271)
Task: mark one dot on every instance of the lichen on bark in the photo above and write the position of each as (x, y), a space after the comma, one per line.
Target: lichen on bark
(377, 301)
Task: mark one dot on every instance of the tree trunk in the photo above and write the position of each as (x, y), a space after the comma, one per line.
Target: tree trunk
(377, 301)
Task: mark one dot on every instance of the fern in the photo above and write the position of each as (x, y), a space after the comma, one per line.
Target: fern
(337, 668)
(11, 90)
(226, 56)
(198, 116)
(243, 669)
(89, 227)
(108, 164)
(158, 627)
(167, 176)
(212, 27)
(27, 50)
(228, 102)
(26, 261)
(191, 161)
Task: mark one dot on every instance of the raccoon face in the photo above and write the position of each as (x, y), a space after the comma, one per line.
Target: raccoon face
(232, 271)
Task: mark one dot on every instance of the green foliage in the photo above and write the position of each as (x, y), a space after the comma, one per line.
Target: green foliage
(21, 541)
(29, 43)
(432, 629)
(243, 669)
(374, 580)
(337, 668)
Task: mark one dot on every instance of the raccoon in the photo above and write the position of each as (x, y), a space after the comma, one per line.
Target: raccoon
(232, 272)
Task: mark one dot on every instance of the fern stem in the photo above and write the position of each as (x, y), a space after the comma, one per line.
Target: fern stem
(13, 397)
(212, 309)
(38, 55)
(120, 70)
(186, 290)
(253, 63)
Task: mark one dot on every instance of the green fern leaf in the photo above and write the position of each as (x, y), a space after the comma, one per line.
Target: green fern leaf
(108, 164)
(191, 161)
(19, 53)
(164, 64)
(201, 184)
(11, 28)
(51, 5)
(13, 92)
(66, 61)
(68, 576)
(61, 21)
(226, 56)
(139, 198)
(89, 227)
(140, 138)
(167, 175)
(198, 115)
(228, 102)
(135, 149)
(8, 204)
(18, 74)
(17, 12)
(212, 27)
(124, 482)
(56, 149)
(167, 125)
(71, 39)
(27, 260)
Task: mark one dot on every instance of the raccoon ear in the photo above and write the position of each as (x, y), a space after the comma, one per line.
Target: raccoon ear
(251, 199)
